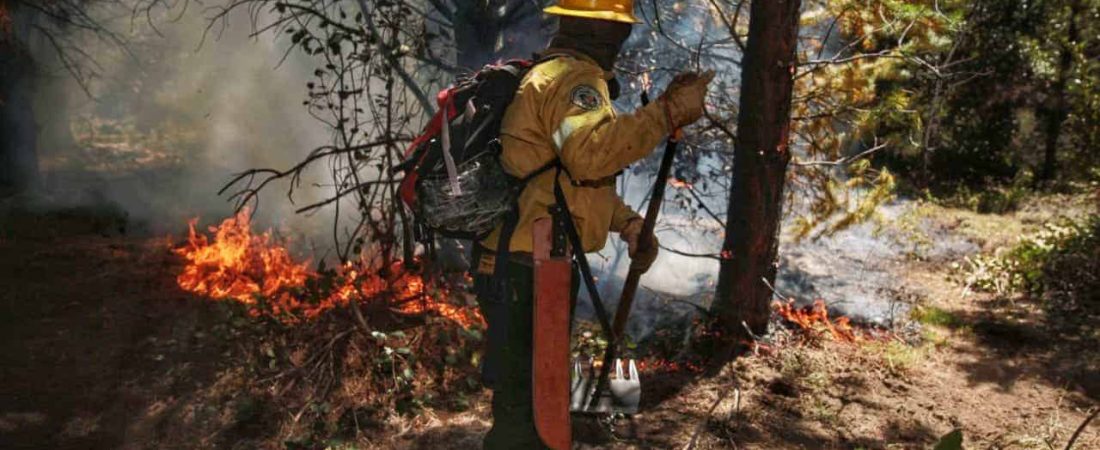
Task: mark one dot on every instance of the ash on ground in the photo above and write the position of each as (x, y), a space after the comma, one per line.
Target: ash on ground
(855, 271)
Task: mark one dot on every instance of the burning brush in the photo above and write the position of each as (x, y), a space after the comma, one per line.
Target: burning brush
(816, 319)
(258, 271)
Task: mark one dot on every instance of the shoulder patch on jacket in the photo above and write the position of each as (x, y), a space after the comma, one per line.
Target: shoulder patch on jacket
(586, 97)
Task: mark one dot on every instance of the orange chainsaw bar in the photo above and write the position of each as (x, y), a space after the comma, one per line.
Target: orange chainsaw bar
(550, 355)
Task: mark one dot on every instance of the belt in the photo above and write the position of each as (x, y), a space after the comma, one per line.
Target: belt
(597, 183)
(487, 259)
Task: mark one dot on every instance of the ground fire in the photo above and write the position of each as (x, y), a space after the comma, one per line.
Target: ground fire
(816, 318)
(257, 270)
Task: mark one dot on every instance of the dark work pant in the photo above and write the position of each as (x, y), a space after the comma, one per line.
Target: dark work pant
(508, 310)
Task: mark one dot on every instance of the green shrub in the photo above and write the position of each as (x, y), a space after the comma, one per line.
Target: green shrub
(931, 315)
(989, 200)
(1060, 264)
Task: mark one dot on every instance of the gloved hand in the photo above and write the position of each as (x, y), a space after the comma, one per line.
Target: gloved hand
(641, 256)
(683, 99)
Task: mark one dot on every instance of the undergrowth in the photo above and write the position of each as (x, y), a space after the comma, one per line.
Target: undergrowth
(992, 200)
(1059, 265)
(341, 380)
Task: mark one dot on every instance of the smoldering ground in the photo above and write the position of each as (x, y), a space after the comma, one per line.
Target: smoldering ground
(854, 270)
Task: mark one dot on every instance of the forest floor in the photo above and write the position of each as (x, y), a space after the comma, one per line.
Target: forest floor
(101, 349)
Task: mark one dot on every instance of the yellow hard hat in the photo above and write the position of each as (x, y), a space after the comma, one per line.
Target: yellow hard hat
(614, 10)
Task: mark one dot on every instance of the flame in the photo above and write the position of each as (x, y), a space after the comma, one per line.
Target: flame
(241, 266)
(646, 83)
(815, 318)
(416, 301)
(256, 270)
(663, 365)
(678, 183)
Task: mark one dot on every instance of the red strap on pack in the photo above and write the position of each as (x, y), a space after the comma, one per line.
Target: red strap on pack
(445, 100)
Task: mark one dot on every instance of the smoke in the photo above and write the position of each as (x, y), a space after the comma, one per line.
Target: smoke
(853, 271)
(172, 116)
(677, 286)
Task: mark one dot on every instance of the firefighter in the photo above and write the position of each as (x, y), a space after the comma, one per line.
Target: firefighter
(562, 111)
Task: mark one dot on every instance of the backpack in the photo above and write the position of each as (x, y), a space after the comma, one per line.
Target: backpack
(454, 182)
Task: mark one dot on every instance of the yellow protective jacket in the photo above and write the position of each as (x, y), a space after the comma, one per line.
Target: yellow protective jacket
(562, 110)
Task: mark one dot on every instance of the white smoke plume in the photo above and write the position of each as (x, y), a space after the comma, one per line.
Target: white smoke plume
(172, 115)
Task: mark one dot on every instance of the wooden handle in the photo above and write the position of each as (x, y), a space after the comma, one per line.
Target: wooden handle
(634, 277)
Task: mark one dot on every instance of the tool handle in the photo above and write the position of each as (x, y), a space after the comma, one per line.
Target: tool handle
(634, 276)
(630, 287)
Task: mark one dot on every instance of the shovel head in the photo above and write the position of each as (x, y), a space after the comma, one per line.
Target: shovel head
(623, 395)
(550, 359)
(626, 391)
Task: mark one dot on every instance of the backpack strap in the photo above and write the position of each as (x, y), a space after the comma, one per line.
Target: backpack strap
(556, 163)
(541, 170)
(564, 220)
(560, 210)
(539, 59)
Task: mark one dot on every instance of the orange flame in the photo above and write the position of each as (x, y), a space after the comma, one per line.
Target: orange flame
(678, 183)
(646, 83)
(663, 365)
(255, 270)
(816, 318)
(240, 266)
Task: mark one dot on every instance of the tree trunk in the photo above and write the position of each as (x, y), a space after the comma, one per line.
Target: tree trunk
(1059, 108)
(18, 149)
(490, 30)
(761, 155)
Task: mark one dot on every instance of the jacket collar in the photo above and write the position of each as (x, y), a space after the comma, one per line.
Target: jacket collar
(577, 55)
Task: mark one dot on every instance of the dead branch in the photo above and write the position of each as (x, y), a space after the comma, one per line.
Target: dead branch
(842, 161)
(703, 423)
(250, 192)
(389, 53)
(730, 24)
(341, 194)
(688, 254)
(703, 205)
(1081, 428)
